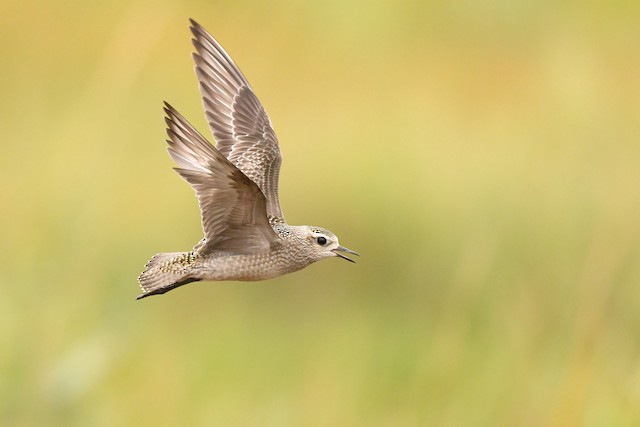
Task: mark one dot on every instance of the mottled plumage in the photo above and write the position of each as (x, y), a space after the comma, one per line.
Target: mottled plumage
(245, 234)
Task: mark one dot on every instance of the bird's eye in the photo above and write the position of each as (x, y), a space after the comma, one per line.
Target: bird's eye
(321, 241)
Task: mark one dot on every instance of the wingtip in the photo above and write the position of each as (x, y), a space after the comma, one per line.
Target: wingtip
(168, 117)
(171, 119)
(170, 113)
(196, 29)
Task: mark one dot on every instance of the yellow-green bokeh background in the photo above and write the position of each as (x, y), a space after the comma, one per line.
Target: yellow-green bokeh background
(484, 157)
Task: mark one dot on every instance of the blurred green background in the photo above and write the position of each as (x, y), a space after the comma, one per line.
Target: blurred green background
(483, 157)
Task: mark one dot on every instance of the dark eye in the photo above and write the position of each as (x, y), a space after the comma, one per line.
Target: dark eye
(321, 241)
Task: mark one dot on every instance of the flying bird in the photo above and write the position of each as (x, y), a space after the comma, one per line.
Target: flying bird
(246, 236)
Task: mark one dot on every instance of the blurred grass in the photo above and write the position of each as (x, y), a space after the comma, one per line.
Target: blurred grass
(483, 158)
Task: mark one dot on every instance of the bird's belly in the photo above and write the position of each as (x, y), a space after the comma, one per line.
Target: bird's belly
(246, 267)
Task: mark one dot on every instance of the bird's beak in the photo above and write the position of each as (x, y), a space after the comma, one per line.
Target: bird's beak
(343, 249)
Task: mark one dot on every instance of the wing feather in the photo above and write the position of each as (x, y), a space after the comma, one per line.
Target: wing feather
(239, 123)
(233, 208)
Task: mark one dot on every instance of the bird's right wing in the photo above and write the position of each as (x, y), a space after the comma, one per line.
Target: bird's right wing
(233, 209)
(239, 123)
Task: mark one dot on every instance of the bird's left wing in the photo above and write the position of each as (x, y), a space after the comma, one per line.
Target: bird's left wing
(233, 209)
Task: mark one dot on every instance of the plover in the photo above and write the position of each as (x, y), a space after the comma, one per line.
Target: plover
(245, 234)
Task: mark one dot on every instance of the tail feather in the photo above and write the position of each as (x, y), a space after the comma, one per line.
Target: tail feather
(164, 272)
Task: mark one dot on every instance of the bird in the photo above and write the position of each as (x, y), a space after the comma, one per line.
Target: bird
(246, 237)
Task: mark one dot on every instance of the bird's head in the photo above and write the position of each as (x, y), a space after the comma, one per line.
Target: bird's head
(322, 243)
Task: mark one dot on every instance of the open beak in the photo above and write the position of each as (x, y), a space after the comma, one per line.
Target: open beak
(343, 249)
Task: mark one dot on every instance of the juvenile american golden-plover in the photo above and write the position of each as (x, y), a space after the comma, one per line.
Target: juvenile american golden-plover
(245, 234)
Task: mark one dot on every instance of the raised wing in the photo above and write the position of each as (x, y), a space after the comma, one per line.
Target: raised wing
(233, 208)
(239, 123)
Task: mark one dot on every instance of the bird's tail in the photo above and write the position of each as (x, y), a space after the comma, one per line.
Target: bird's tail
(166, 271)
